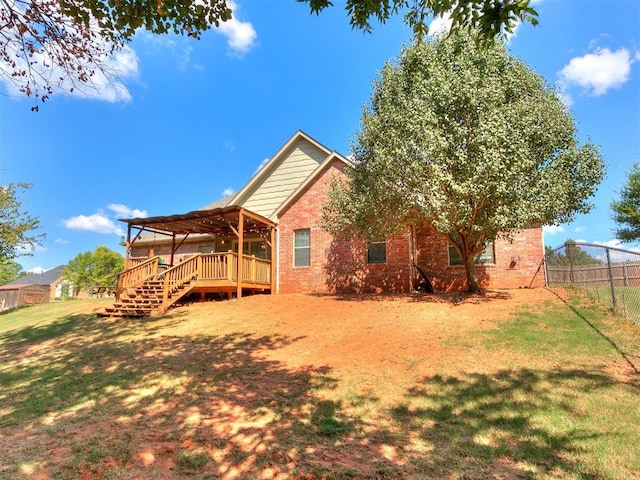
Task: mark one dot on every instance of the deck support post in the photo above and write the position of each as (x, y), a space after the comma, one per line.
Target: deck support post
(127, 247)
(240, 249)
(173, 248)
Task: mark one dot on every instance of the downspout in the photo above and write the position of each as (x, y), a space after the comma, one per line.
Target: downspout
(272, 242)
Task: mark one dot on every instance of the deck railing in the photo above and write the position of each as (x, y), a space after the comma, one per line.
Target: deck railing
(256, 270)
(216, 266)
(135, 261)
(177, 276)
(223, 266)
(199, 267)
(137, 274)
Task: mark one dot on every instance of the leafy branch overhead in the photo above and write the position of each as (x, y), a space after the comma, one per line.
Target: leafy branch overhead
(490, 17)
(53, 46)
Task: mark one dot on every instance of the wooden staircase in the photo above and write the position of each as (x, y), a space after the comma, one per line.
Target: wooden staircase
(145, 291)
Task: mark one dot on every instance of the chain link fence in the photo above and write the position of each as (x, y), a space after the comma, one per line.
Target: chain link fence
(609, 275)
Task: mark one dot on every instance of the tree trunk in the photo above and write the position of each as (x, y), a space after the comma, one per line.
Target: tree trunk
(473, 283)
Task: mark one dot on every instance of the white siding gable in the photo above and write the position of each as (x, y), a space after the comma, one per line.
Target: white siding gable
(282, 177)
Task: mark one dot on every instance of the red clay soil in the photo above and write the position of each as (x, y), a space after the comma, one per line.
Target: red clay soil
(249, 376)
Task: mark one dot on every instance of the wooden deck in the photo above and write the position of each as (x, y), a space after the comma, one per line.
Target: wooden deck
(201, 273)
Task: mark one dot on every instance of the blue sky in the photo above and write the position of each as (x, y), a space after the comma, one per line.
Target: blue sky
(189, 121)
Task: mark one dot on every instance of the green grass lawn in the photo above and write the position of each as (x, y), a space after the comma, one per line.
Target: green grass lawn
(627, 300)
(557, 397)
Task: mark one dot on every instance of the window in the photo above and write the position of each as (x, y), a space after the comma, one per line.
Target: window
(377, 252)
(486, 256)
(205, 249)
(257, 248)
(302, 248)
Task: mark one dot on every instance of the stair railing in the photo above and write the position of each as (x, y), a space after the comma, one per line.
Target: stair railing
(136, 275)
(177, 277)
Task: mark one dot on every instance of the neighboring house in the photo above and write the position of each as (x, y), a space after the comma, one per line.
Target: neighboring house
(35, 288)
(282, 208)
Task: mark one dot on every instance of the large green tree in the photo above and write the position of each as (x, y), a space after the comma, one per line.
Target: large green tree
(626, 211)
(468, 139)
(17, 227)
(9, 271)
(99, 268)
(46, 45)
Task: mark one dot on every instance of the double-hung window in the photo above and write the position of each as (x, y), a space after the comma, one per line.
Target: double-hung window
(484, 257)
(302, 248)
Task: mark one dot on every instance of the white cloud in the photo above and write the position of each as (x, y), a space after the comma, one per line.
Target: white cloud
(98, 223)
(440, 25)
(615, 243)
(185, 58)
(598, 72)
(61, 241)
(101, 222)
(37, 270)
(125, 212)
(552, 229)
(241, 36)
(262, 164)
(228, 191)
(30, 249)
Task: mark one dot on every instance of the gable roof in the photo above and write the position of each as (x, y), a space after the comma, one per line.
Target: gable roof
(311, 178)
(221, 203)
(278, 177)
(276, 184)
(47, 278)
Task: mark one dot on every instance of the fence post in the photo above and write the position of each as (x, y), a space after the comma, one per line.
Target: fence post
(568, 252)
(625, 275)
(613, 290)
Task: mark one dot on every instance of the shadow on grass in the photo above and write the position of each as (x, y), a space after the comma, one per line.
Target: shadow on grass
(627, 357)
(512, 424)
(87, 398)
(101, 396)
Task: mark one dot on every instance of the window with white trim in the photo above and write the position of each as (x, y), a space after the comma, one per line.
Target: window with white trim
(487, 256)
(302, 247)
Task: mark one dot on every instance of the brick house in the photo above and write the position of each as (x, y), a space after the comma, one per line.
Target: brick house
(283, 202)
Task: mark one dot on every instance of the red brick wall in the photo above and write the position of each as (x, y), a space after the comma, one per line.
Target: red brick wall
(336, 266)
(517, 261)
(341, 266)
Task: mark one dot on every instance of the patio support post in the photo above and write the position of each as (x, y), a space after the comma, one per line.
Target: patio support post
(127, 246)
(240, 249)
(173, 248)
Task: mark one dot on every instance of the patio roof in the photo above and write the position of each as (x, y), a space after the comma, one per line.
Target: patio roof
(219, 221)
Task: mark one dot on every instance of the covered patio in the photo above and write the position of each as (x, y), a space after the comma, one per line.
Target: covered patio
(225, 272)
